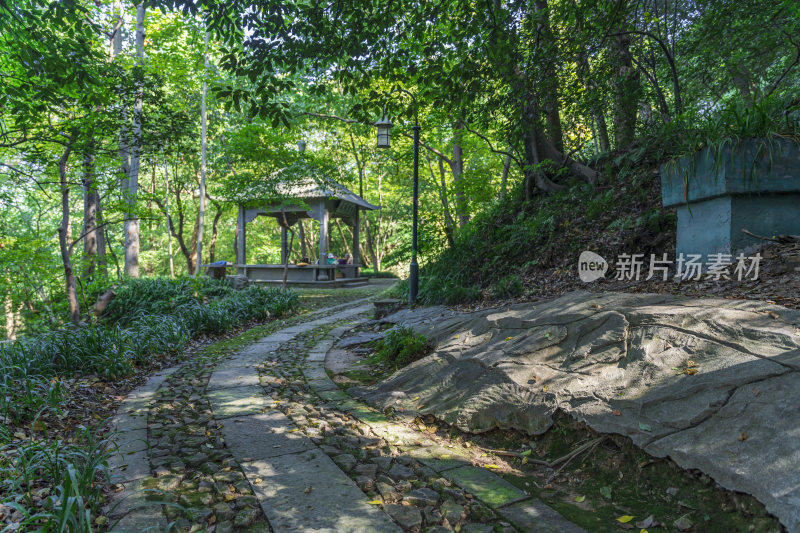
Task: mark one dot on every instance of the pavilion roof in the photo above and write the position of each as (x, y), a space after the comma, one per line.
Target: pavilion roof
(311, 189)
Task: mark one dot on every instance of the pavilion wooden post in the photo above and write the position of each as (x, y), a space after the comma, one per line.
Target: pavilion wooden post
(322, 212)
(284, 251)
(356, 255)
(241, 252)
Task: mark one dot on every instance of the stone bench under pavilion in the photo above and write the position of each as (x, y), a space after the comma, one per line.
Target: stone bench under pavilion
(318, 201)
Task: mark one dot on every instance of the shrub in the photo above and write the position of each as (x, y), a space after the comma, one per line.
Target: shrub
(401, 347)
(507, 287)
(161, 295)
(76, 474)
(369, 273)
(112, 350)
(435, 290)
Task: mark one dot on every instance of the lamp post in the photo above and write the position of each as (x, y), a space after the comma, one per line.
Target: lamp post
(384, 137)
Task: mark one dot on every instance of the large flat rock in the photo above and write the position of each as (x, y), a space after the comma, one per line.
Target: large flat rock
(686, 378)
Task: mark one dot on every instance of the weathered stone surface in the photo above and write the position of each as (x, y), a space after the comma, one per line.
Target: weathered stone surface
(536, 517)
(359, 338)
(398, 472)
(232, 377)
(452, 511)
(339, 361)
(368, 470)
(594, 355)
(296, 490)
(130, 467)
(422, 497)
(488, 487)
(238, 401)
(263, 435)
(407, 517)
(345, 461)
(388, 492)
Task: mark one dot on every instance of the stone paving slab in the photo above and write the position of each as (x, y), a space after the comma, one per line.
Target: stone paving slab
(238, 401)
(438, 457)
(134, 440)
(263, 347)
(535, 517)
(263, 436)
(334, 396)
(122, 422)
(241, 361)
(367, 415)
(319, 385)
(315, 356)
(486, 486)
(128, 467)
(401, 435)
(315, 371)
(332, 504)
(133, 513)
(233, 377)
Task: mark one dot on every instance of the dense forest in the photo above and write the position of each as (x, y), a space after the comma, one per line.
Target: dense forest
(114, 117)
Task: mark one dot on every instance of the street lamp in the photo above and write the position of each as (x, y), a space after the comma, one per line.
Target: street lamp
(384, 131)
(384, 137)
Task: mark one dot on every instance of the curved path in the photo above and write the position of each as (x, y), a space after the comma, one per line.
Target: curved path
(264, 441)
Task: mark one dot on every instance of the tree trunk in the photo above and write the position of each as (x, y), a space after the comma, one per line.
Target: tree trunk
(285, 223)
(534, 175)
(91, 204)
(13, 323)
(304, 251)
(63, 229)
(626, 86)
(131, 183)
(457, 168)
(376, 265)
(213, 245)
(504, 177)
(341, 235)
(110, 248)
(203, 152)
(448, 218)
(602, 131)
(550, 92)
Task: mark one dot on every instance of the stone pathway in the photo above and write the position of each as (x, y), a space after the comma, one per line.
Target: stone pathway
(265, 441)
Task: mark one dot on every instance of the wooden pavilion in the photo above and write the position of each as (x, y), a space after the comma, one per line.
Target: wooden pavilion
(320, 201)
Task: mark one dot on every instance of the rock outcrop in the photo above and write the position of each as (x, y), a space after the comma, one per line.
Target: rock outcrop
(711, 383)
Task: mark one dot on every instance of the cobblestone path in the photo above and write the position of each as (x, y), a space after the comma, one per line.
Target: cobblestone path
(265, 441)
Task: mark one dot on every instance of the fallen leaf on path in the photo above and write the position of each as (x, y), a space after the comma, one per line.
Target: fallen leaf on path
(624, 519)
(645, 427)
(743, 436)
(375, 502)
(580, 499)
(617, 412)
(308, 489)
(491, 466)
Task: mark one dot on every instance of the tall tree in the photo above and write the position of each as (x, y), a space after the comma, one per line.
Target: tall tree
(130, 183)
